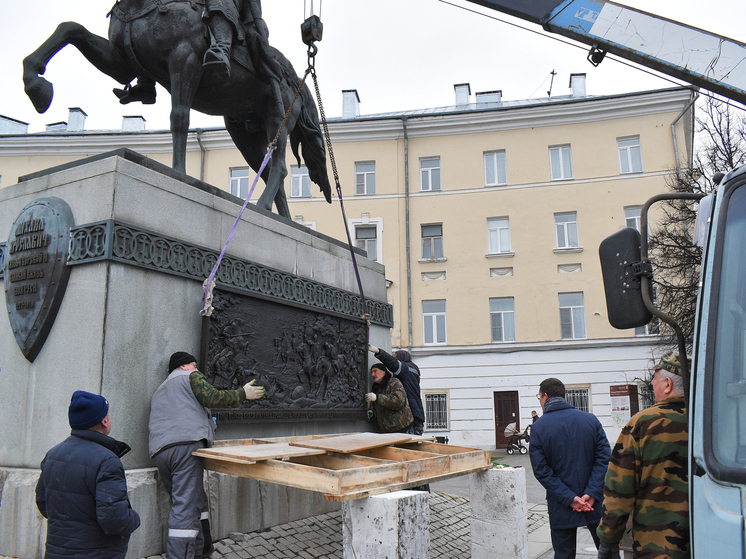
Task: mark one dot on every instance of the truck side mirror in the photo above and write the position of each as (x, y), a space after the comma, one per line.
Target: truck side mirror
(620, 265)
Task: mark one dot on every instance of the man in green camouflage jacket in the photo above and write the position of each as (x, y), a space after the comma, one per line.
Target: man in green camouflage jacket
(648, 475)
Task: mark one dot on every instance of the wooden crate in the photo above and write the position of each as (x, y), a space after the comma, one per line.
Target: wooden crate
(347, 466)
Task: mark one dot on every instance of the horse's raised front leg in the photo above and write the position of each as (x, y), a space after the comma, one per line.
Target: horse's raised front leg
(96, 50)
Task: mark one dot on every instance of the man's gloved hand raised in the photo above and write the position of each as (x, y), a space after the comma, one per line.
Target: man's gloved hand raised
(370, 397)
(253, 392)
(608, 552)
(373, 349)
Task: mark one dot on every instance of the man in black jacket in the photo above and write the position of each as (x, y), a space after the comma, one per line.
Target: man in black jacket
(400, 365)
(82, 490)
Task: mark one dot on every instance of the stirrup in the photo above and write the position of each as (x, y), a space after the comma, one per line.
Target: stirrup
(218, 54)
(144, 93)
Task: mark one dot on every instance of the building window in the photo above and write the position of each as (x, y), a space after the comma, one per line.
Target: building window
(498, 233)
(300, 182)
(366, 232)
(434, 322)
(560, 158)
(436, 411)
(632, 216)
(495, 172)
(430, 173)
(365, 178)
(239, 185)
(572, 316)
(566, 226)
(432, 241)
(365, 238)
(630, 155)
(502, 319)
(579, 397)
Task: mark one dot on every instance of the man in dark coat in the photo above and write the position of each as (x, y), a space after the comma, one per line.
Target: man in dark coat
(388, 402)
(569, 455)
(82, 490)
(401, 366)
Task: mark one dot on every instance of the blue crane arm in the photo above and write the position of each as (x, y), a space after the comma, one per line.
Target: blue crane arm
(704, 59)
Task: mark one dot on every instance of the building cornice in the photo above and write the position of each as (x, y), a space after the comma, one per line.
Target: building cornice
(494, 118)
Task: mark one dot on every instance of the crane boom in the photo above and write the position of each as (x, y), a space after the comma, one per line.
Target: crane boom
(704, 59)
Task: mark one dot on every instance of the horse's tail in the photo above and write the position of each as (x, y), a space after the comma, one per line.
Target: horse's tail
(307, 133)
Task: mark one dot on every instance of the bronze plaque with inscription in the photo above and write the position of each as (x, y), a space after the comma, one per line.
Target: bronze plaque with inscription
(312, 365)
(36, 272)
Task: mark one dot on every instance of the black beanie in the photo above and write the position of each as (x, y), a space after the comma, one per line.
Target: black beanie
(86, 409)
(180, 358)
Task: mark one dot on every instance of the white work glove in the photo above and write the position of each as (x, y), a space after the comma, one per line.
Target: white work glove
(253, 392)
(370, 397)
(373, 349)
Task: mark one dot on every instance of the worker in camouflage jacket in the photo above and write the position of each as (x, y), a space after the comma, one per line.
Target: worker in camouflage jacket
(648, 475)
(388, 403)
(181, 423)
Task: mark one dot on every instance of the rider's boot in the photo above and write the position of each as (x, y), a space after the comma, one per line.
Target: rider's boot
(143, 91)
(221, 38)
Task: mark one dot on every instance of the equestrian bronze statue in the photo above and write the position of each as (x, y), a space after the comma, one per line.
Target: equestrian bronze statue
(212, 56)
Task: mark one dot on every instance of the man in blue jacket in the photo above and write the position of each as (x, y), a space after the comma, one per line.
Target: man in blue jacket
(82, 490)
(569, 455)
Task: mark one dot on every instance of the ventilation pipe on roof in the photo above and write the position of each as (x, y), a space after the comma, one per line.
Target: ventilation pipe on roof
(76, 119)
(577, 84)
(463, 93)
(350, 103)
(489, 97)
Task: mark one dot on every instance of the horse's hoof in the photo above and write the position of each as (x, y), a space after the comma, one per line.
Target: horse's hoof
(40, 91)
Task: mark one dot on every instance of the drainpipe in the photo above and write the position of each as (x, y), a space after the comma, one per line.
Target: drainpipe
(673, 135)
(202, 155)
(408, 246)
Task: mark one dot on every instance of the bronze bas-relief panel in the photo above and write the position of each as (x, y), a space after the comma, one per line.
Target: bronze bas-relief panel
(35, 272)
(312, 365)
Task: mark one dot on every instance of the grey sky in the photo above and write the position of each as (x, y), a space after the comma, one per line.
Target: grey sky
(398, 54)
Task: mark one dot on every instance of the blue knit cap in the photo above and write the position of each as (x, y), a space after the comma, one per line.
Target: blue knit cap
(86, 409)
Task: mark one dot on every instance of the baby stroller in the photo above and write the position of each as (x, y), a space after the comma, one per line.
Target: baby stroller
(515, 439)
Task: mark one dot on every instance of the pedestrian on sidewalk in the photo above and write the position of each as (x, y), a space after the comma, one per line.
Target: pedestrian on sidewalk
(82, 490)
(648, 475)
(569, 455)
(401, 366)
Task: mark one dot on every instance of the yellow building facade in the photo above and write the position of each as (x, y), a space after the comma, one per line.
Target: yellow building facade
(487, 216)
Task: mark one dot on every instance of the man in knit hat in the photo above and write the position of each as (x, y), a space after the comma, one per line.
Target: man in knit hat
(180, 423)
(82, 490)
(648, 474)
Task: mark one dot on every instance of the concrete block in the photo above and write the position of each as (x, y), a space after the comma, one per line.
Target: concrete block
(499, 523)
(22, 528)
(390, 526)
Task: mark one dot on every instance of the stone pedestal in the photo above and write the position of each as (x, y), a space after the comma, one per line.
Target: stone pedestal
(130, 304)
(499, 514)
(390, 526)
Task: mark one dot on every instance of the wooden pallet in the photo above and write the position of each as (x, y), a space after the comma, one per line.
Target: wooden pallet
(345, 467)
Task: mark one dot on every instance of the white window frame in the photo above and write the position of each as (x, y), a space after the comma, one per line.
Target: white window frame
(498, 228)
(630, 155)
(503, 316)
(564, 229)
(430, 175)
(442, 413)
(300, 182)
(365, 179)
(495, 164)
(239, 183)
(560, 162)
(579, 395)
(366, 221)
(632, 217)
(576, 315)
(431, 241)
(433, 321)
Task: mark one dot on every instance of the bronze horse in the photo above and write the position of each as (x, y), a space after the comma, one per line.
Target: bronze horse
(166, 41)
